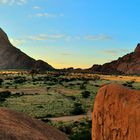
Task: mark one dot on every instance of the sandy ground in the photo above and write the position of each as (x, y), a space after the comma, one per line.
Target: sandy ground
(120, 78)
(71, 118)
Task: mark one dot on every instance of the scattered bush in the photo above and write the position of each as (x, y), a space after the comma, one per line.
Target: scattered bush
(4, 95)
(129, 84)
(6, 87)
(83, 86)
(1, 81)
(96, 77)
(72, 97)
(19, 80)
(18, 94)
(78, 130)
(78, 109)
(85, 94)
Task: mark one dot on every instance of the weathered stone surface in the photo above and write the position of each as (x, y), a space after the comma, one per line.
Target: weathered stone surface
(13, 58)
(17, 126)
(116, 114)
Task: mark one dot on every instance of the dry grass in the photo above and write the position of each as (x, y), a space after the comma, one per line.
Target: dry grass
(120, 78)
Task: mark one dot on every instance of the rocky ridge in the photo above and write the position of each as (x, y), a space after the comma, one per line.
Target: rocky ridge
(13, 58)
(128, 64)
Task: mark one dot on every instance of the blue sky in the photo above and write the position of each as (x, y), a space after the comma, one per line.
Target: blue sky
(72, 33)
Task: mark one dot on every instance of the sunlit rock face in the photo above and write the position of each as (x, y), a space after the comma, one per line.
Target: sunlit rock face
(17, 126)
(116, 114)
(13, 58)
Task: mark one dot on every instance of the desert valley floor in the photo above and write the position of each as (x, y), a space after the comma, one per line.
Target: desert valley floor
(63, 100)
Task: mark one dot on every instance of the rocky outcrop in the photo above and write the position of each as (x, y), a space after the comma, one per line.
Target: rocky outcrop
(137, 50)
(116, 114)
(17, 126)
(128, 64)
(13, 58)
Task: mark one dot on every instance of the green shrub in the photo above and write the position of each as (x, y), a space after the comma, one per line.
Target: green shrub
(19, 80)
(85, 94)
(1, 81)
(78, 109)
(76, 130)
(129, 84)
(4, 95)
(82, 135)
(83, 86)
(96, 77)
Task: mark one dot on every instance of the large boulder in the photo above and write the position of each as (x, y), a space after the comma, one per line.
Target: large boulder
(116, 114)
(17, 126)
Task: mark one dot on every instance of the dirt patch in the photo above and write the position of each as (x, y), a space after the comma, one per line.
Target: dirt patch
(71, 118)
(31, 90)
(66, 91)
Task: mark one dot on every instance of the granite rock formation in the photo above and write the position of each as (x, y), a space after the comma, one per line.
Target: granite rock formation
(116, 114)
(17, 126)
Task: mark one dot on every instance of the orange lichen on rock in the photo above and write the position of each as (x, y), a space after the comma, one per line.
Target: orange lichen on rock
(116, 114)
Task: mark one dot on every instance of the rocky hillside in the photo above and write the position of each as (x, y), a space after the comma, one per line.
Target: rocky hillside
(17, 126)
(128, 64)
(13, 58)
(116, 114)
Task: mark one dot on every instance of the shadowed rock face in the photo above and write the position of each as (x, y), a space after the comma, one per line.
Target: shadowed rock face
(128, 64)
(116, 114)
(17, 126)
(137, 50)
(13, 58)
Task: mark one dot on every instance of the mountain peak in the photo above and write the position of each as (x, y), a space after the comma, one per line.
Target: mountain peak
(127, 64)
(137, 50)
(13, 58)
(3, 37)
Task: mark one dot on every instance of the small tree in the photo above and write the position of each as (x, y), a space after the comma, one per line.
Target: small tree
(33, 73)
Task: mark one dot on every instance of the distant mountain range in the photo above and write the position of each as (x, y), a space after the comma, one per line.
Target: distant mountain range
(128, 64)
(13, 58)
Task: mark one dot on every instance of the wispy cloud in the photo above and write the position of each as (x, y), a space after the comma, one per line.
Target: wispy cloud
(115, 51)
(17, 42)
(48, 15)
(68, 37)
(98, 37)
(42, 37)
(11, 2)
(37, 7)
